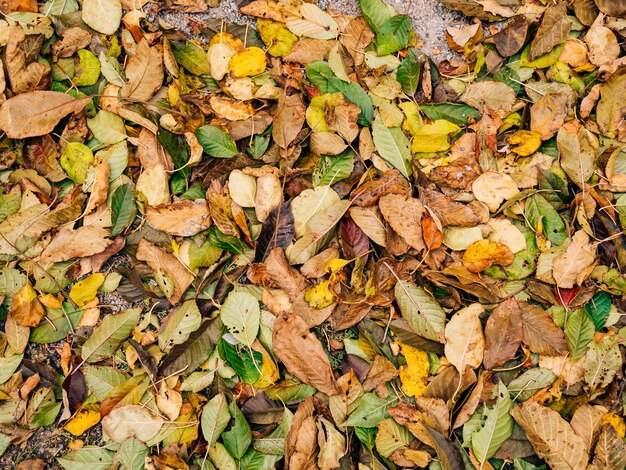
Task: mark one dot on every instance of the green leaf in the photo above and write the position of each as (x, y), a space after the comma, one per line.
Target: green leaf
(97, 458)
(191, 56)
(179, 324)
(599, 308)
(59, 324)
(409, 72)
(45, 415)
(245, 365)
(131, 455)
(107, 127)
(221, 458)
(393, 146)
(579, 331)
(11, 280)
(112, 69)
(75, 160)
(238, 437)
(530, 382)
(241, 314)
(458, 114)
(330, 170)
(370, 411)
(497, 428)
(376, 13)
(101, 380)
(320, 73)
(215, 418)
(179, 150)
(539, 212)
(393, 35)
(123, 208)
(108, 336)
(60, 7)
(367, 436)
(391, 437)
(5, 441)
(216, 142)
(289, 392)
(602, 362)
(322, 76)
(421, 311)
(88, 69)
(356, 95)
(8, 365)
(117, 157)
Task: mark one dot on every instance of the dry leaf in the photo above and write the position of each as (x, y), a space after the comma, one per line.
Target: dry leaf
(182, 218)
(302, 353)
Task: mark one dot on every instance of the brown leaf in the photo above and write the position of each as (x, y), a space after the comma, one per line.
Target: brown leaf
(144, 72)
(25, 73)
(288, 119)
(37, 112)
(183, 218)
(586, 422)
(553, 31)
(451, 212)
(301, 441)
(16, 335)
(100, 187)
(391, 182)
(356, 36)
(465, 343)
(164, 264)
(404, 215)
(510, 40)
(503, 333)
(612, 105)
(548, 114)
(72, 39)
(496, 96)
(308, 50)
(610, 450)
(69, 244)
(302, 353)
(552, 437)
(540, 333)
(42, 155)
(151, 153)
(327, 143)
(382, 371)
(575, 264)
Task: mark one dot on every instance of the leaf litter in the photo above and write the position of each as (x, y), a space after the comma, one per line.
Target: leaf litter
(309, 246)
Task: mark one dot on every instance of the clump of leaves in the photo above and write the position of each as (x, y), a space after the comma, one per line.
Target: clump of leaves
(313, 247)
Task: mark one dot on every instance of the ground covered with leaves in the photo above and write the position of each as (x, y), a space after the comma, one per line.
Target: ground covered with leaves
(305, 245)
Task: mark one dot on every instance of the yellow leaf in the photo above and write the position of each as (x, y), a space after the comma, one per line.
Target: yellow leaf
(86, 290)
(617, 422)
(414, 374)
(82, 421)
(527, 142)
(25, 308)
(276, 36)
(269, 371)
(50, 301)
(249, 62)
(483, 253)
(336, 264)
(229, 39)
(320, 296)
(431, 137)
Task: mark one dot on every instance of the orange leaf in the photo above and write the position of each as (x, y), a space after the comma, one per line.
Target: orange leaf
(483, 253)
